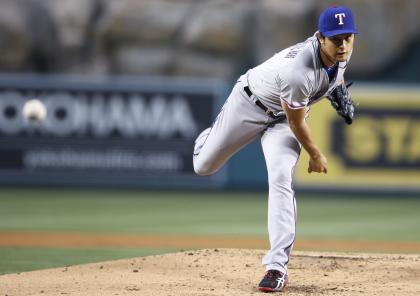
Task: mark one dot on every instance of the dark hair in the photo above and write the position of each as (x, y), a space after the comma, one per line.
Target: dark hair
(320, 36)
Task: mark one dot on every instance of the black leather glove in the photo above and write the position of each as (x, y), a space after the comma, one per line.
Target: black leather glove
(341, 101)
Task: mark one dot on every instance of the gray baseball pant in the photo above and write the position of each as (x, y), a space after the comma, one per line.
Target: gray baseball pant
(239, 122)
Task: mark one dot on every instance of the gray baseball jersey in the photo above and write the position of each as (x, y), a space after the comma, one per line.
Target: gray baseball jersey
(296, 76)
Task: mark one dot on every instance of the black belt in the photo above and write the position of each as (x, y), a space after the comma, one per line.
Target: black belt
(267, 111)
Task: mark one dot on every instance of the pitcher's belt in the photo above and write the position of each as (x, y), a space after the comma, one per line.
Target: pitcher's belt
(257, 102)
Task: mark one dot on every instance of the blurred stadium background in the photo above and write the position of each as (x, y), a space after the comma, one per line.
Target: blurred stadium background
(129, 84)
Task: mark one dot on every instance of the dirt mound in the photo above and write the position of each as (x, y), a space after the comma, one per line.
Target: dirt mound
(223, 272)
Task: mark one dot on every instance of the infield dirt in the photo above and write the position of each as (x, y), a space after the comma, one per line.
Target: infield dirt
(223, 272)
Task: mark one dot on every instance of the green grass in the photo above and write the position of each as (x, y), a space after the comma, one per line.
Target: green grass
(26, 259)
(204, 214)
(196, 213)
(132, 212)
(390, 219)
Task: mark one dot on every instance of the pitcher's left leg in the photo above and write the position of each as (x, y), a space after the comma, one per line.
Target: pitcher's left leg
(281, 152)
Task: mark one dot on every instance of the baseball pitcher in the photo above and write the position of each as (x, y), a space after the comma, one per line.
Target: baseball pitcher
(272, 101)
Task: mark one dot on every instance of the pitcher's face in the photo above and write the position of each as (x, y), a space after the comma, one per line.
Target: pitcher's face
(337, 48)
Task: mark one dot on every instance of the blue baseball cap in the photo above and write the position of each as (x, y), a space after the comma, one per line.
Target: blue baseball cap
(335, 21)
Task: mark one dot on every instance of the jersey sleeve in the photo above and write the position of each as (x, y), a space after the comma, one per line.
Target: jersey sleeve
(294, 90)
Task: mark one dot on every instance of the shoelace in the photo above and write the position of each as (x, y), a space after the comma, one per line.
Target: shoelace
(273, 274)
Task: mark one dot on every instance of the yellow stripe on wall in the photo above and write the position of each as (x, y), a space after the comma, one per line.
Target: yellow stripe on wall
(381, 147)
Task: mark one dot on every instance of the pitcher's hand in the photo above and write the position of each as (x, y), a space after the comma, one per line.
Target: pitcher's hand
(318, 164)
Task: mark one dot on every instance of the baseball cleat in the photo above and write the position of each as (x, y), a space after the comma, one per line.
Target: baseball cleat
(273, 281)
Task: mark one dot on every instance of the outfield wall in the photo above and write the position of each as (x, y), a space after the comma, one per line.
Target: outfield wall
(105, 131)
(380, 150)
(139, 132)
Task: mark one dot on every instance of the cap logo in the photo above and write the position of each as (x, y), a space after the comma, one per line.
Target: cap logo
(340, 16)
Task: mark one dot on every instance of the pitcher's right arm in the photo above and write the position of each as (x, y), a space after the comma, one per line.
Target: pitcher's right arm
(296, 119)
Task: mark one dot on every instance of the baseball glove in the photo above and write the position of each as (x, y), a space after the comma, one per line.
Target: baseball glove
(341, 101)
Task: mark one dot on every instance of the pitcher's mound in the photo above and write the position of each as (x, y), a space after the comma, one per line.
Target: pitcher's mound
(223, 272)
